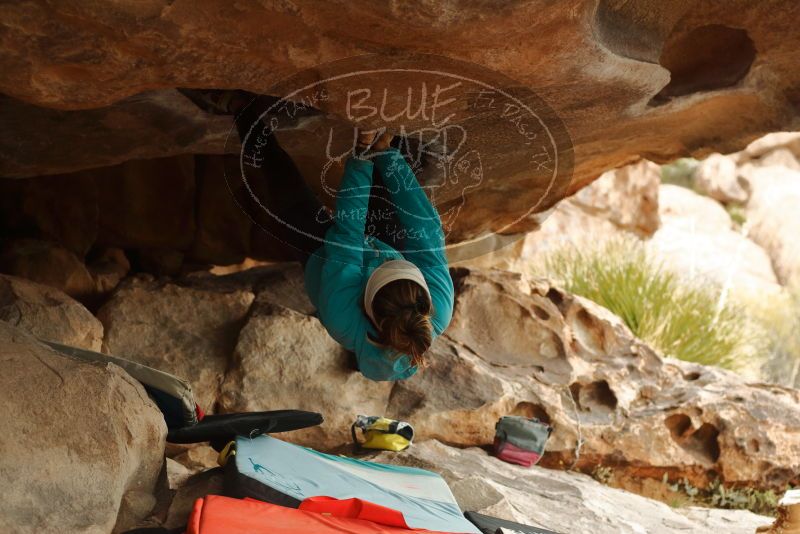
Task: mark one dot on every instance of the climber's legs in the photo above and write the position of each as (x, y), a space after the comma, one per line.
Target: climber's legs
(271, 189)
(382, 222)
(274, 192)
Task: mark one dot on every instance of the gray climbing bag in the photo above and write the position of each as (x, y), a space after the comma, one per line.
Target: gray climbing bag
(520, 440)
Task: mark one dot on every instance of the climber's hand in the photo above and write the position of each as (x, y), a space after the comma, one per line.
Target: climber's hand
(376, 140)
(366, 138)
(383, 141)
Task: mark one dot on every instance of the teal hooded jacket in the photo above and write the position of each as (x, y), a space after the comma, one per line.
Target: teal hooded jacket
(337, 273)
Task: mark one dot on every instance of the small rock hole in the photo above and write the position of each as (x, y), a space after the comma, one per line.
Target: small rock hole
(594, 397)
(678, 424)
(555, 297)
(540, 313)
(702, 443)
(529, 409)
(705, 442)
(707, 58)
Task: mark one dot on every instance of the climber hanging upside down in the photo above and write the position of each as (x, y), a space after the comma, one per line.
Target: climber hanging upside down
(382, 290)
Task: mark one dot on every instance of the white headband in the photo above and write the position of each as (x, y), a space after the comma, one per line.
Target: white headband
(389, 272)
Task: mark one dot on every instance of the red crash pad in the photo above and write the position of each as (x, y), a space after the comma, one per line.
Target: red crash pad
(215, 514)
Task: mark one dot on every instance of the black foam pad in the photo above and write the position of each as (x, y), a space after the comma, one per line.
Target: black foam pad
(225, 427)
(492, 525)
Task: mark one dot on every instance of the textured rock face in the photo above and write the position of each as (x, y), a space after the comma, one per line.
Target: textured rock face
(512, 347)
(48, 263)
(285, 359)
(48, 314)
(634, 411)
(617, 74)
(180, 330)
(562, 501)
(82, 444)
(151, 124)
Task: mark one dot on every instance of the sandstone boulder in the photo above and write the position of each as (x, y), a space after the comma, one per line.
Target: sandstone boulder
(622, 202)
(717, 176)
(626, 197)
(683, 208)
(771, 142)
(568, 226)
(280, 284)
(285, 359)
(696, 238)
(562, 501)
(47, 263)
(774, 219)
(726, 259)
(188, 332)
(48, 313)
(194, 458)
(525, 347)
(108, 268)
(82, 444)
(540, 352)
(696, 241)
(780, 157)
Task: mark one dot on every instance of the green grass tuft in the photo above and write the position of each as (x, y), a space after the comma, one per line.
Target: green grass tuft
(738, 214)
(678, 319)
(680, 172)
(779, 319)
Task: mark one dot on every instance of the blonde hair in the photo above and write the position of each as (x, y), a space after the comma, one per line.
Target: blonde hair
(402, 311)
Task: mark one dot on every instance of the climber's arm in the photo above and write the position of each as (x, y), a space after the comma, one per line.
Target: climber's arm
(341, 281)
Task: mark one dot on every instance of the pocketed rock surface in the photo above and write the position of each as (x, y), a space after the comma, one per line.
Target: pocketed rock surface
(532, 349)
(514, 347)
